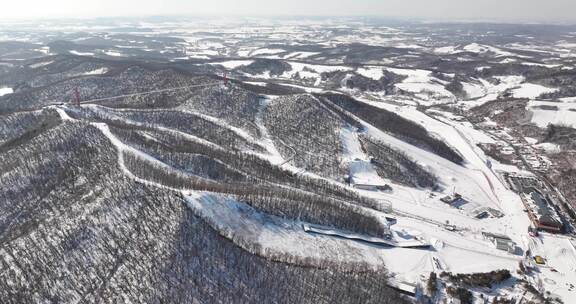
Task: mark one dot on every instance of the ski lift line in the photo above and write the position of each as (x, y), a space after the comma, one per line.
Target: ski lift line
(149, 92)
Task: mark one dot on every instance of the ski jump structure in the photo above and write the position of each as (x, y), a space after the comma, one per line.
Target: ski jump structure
(414, 243)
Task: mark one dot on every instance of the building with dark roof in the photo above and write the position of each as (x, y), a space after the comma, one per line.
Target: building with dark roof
(543, 214)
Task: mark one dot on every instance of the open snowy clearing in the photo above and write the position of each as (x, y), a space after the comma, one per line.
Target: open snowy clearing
(490, 90)
(559, 253)
(266, 51)
(311, 70)
(82, 53)
(446, 50)
(474, 89)
(300, 55)
(99, 71)
(6, 91)
(547, 112)
(481, 49)
(371, 72)
(426, 88)
(114, 53)
(232, 64)
(41, 64)
(529, 90)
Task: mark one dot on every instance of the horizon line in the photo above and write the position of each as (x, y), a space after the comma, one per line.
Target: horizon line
(414, 19)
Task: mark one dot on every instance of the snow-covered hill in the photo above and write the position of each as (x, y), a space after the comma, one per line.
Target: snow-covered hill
(314, 162)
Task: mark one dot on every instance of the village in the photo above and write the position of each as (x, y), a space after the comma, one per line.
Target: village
(545, 205)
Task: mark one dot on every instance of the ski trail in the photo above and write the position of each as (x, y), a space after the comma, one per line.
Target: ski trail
(217, 121)
(122, 148)
(63, 115)
(221, 123)
(161, 128)
(274, 155)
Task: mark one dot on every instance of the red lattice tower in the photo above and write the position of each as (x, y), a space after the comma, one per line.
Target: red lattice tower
(76, 96)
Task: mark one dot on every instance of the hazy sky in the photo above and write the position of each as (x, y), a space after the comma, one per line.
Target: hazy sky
(508, 10)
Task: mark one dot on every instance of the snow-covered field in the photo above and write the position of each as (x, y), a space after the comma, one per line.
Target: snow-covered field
(486, 91)
(371, 72)
(559, 272)
(99, 71)
(41, 64)
(424, 85)
(529, 90)
(266, 51)
(547, 112)
(481, 49)
(232, 64)
(300, 55)
(81, 53)
(6, 91)
(312, 70)
(113, 53)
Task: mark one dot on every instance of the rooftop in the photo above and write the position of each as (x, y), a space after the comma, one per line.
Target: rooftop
(542, 207)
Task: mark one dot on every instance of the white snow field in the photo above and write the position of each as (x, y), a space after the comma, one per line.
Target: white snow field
(300, 55)
(311, 70)
(481, 49)
(99, 71)
(474, 89)
(547, 112)
(371, 72)
(559, 252)
(113, 53)
(245, 225)
(471, 180)
(40, 64)
(232, 64)
(446, 50)
(266, 51)
(6, 91)
(529, 90)
(485, 91)
(425, 87)
(82, 53)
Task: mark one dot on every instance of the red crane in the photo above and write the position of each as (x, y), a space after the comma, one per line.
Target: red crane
(76, 96)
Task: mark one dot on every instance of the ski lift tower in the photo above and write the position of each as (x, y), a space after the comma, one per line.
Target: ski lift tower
(76, 97)
(225, 81)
